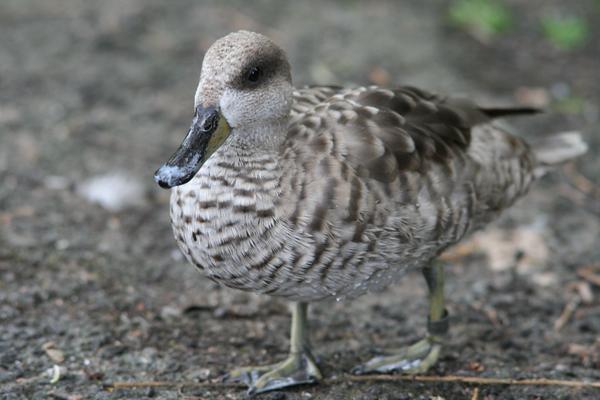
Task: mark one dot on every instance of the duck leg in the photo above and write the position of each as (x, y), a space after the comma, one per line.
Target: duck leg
(420, 356)
(299, 368)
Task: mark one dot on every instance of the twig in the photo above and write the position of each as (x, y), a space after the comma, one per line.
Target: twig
(475, 395)
(588, 273)
(168, 384)
(580, 189)
(474, 380)
(581, 182)
(477, 380)
(567, 313)
(584, 289)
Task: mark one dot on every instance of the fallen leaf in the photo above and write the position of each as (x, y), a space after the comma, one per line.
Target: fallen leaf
(582, 351)
(379, 76)
(503, 248)
(533, 96)
(55, 354)
(475, 366)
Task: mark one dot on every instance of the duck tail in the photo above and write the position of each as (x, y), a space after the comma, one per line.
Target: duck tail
(499, 112)
(558, 149)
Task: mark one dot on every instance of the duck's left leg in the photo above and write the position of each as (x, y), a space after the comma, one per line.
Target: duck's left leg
(420, 356)
(299, 368)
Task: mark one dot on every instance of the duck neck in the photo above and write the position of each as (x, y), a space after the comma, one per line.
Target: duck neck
(252, 152)
(257, 139)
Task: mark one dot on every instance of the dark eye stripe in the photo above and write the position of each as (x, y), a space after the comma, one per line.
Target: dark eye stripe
(255, 75)
(266, 65)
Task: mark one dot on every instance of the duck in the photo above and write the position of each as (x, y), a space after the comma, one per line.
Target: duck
(328, 192)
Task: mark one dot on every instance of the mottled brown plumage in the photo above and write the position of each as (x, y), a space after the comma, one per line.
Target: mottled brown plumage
(327, 191)
(368, 182)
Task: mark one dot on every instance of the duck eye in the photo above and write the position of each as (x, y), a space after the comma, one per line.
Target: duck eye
(254, 74)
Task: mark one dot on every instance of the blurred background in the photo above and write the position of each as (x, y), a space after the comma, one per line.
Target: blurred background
(94, 96)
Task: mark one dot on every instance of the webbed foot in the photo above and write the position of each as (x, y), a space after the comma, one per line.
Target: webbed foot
(424, 354)
(298, 369)
(413, 359)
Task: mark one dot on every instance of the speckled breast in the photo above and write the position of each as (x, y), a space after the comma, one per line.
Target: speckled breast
(234, 229)
(226, 222)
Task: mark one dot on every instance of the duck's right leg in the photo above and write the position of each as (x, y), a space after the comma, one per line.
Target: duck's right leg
(422, 355)
(299, 368)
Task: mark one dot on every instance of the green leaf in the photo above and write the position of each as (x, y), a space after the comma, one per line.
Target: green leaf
(482, 17)
(570, 105)
(565, 32)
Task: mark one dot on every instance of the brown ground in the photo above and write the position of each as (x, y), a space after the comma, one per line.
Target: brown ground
(89, 88)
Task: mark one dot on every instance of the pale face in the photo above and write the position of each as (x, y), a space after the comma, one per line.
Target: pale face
(248, 78)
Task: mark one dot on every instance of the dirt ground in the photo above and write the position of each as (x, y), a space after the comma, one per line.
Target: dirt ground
(95, 96)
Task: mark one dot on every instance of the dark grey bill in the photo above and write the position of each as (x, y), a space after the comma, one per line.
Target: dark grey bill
(187, 160)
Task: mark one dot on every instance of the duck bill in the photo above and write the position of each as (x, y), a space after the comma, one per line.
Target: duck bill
(208, 131)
